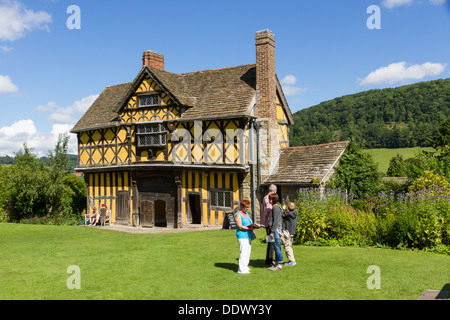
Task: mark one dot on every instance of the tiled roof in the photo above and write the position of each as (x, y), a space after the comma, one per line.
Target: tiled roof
(302, 165)
(101, 113)
(216, 93)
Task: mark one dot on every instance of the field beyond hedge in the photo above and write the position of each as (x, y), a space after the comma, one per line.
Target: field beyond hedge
(198, 265)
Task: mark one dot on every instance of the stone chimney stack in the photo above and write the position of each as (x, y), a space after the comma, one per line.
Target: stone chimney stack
(265, 75)
(153, 59)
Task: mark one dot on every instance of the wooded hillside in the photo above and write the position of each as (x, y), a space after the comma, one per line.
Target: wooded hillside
(399, 117)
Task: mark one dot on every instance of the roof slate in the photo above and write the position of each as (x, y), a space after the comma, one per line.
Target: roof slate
(215, 93)
(299, 165)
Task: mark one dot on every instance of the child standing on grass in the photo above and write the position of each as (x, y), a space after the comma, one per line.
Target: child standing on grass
(289, 229)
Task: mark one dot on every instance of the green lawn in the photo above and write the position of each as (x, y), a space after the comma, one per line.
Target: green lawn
(198, 265)
(383, 156)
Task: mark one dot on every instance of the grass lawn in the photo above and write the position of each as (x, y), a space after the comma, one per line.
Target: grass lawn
(383, 156)
(198, 265)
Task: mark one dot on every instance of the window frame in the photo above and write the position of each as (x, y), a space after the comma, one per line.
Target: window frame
(161, 133)
(216, 196)
(158, 100)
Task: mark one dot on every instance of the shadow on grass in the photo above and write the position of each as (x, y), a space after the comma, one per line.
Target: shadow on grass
(254, 263)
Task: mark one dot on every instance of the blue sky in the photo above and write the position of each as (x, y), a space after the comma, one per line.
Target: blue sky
(50, 74)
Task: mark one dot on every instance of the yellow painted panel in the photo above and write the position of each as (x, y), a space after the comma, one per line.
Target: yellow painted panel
(205, 213)
(227, 180)
(91, 190)
(122, 134)
(280, 113)
(109, 155)
(213, 217)
(212, 179)
(113, 206)
(236, 187)
(123, 154)
(220, 220)
(84, 158)
(219, 181)
(183, 191)
(84, 138)
(144, 156)
(197, 181)
(96, 137)
(204, 187)
(108, 184)
(101, 185)
(125, 117)
(109, 136)
(189, 181)
(132, 103)
(96, 156)
(159, 155)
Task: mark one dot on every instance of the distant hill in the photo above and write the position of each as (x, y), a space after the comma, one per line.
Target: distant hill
(399, 117)
(72, 160)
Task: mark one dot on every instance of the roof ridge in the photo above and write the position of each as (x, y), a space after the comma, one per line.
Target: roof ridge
(317, 145)
(215, 69)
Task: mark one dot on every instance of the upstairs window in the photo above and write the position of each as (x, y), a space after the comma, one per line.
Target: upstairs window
(149, 100)
(151, 135)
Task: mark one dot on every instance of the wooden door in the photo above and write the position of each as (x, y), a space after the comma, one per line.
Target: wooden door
(146, 215)
(123, 207)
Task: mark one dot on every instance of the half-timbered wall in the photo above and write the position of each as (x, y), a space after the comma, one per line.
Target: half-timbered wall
(104, 188)
(283, 131)
(210, 142)
(219, 193)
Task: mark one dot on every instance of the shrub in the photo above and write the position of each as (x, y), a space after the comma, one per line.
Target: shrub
(418, 219)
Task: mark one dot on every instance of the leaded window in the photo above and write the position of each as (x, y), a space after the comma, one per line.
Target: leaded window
(151, 135)
(148, 100)
(221, 198)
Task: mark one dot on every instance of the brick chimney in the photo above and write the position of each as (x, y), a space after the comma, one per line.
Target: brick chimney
(265, 75)
(153, 59)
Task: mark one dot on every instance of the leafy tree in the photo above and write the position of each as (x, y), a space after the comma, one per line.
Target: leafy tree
(357, 172)
(397, 167)
(28, 184)
(77, 192)
(57, 193)
(43, 188)
(441, 139)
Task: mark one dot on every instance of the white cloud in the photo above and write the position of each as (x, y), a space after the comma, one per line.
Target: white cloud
(288, 86)
(289, 79)
(6, 49)
(63, 120)
(12, 138)
(397, 72)
(395, 3)
(69, 114)
(439, 1)
(6, 85)
(20, 127)
(47, 107)
(16, 20)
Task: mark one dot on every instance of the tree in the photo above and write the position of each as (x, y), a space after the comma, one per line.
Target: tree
(357, 172)
(397, 167)
(39, 188)
(441, 139)
(57, 193)
(28, 184)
